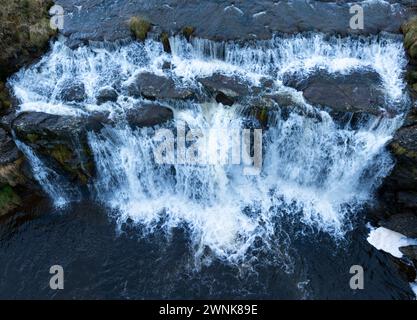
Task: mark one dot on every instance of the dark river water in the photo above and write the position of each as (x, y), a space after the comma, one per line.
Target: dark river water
(102, 261)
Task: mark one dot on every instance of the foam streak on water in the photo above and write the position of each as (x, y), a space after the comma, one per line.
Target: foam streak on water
(313, 170)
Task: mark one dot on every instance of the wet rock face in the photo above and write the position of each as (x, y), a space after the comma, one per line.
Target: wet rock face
(62, 139)
(229, 20)
(154, 87)
(411, 252)
(11, 175)
(352, 93)
(405, 224)
(8, 150)
(399, 190)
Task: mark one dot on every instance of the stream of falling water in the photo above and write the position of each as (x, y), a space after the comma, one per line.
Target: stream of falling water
(314, 171)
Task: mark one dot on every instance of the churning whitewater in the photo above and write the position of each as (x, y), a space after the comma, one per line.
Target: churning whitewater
(315, 170)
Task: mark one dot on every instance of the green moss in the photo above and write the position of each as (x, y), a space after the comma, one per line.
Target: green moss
(25, 32)
(40, 33)
(165, 42)
(9, 200)
(398, 150)
(62, 154)
(412, 51)
(262, 115)
(188, 32)
(32, 137)
(410, 24)
(139, 27)
(410, 38)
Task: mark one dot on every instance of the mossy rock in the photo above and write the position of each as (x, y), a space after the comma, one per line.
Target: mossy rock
(399, 150)
(410, 38)
(164, 38)
(4, 97)
(32, 137)
(9, 200)
(262, 116)
(410, 24)
(188, 32)
(62, 154)
(413, 51)
(40, 33)
(139, 27)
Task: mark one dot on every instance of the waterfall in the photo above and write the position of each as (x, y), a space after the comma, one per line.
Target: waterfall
(314, 171)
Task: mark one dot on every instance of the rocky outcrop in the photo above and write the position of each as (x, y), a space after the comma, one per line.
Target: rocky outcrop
(61, 139)
(399, 191)
(87, 20)
(24, 35)
(11, 161)
(398, 194)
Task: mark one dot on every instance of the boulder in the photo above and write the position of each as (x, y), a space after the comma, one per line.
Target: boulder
(226, 89)
(106, 94)
(358, 91)
(149, 115)
(153, 87)
(404, 223)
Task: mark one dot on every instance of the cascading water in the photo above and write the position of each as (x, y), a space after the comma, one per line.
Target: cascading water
(315, 172)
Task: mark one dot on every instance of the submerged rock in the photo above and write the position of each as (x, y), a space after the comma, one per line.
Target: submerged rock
(154, 87)
(73, 92)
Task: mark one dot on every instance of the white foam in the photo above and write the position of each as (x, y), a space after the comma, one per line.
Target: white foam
(389, 241)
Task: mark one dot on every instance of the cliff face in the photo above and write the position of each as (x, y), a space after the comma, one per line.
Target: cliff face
(24, 36)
